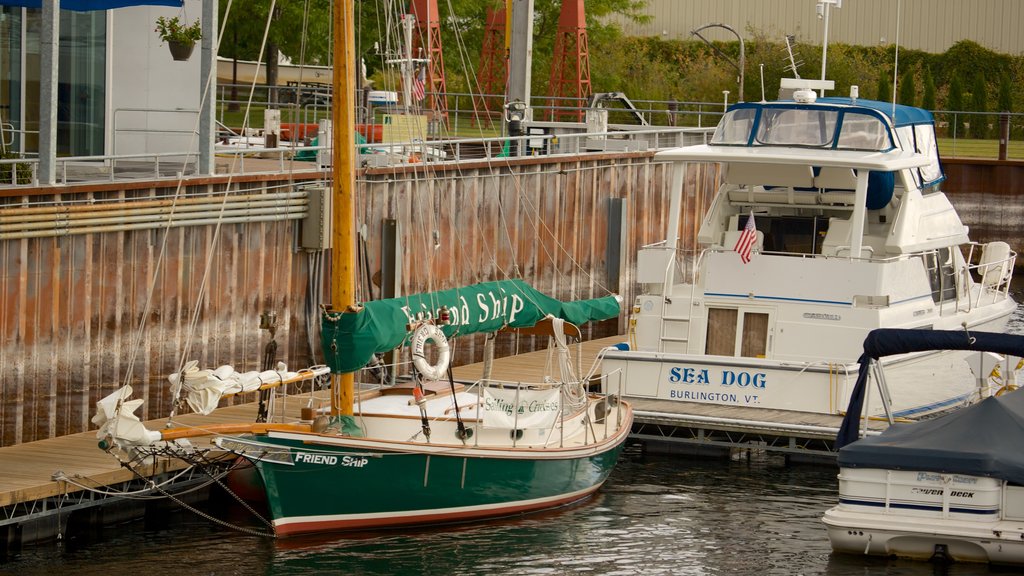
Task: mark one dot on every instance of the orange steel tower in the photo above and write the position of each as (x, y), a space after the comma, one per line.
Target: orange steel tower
(493, 75)
(570, 69)
(427, 44)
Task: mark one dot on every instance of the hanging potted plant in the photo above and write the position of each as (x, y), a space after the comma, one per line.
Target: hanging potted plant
(180, 38)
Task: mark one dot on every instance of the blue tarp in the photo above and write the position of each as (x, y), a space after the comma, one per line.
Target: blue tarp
(892, 341)
(89, 5)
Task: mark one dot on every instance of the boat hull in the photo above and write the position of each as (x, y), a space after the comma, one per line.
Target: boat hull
(925, 515)
(920, 539)
(821, 388)
(315, 484)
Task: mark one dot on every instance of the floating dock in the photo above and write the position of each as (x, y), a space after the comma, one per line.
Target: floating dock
(52, 487)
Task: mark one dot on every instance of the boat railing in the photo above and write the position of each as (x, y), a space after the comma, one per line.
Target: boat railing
(573, 400)
(991, 266)
(260, 159)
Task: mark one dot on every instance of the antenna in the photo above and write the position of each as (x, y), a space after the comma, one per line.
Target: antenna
(896, 64)
(762, 84)
(793, 64)
(823, 10)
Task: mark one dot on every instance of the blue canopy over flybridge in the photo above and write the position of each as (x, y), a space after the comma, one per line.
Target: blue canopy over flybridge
(904, 115)
(833, 124)
(89, 5)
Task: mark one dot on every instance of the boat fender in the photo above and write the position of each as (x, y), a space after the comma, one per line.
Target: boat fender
(423, 334)
(880, 189)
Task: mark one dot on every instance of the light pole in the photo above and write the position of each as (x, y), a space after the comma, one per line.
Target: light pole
(743, 58)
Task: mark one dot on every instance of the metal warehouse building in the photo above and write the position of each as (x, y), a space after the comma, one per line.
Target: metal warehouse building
(929, 25)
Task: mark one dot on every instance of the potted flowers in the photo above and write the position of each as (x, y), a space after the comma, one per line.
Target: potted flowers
(180, 38)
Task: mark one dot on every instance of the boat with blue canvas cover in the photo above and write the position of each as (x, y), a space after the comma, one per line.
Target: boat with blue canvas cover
(949, 488)
(829, 223)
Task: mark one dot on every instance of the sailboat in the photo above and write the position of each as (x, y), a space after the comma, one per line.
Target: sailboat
(423, 451)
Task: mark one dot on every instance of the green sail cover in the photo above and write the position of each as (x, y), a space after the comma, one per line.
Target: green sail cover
(351, 339)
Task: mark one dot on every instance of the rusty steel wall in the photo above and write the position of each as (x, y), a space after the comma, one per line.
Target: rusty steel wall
(71, 304)
(542, 220)
(989, 196)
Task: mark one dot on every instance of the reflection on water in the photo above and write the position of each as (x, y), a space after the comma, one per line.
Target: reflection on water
(664, 515)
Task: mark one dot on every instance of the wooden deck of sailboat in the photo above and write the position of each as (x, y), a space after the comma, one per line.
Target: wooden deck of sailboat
(28, 469)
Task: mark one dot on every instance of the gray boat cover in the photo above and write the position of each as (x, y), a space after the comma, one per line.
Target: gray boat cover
(889, 341)
(983, 439)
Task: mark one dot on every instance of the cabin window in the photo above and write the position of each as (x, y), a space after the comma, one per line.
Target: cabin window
(790, 234)
(734, 332)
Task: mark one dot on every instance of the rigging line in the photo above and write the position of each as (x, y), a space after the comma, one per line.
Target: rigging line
(202, 291)
(896, 63)
(544, 226)
(147, 306)
(467, 66)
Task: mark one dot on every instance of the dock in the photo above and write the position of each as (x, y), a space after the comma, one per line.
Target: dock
(49, 485)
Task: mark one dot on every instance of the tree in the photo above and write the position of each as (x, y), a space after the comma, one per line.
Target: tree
(1005, 94)
(955, 103)
(979, 103)
(908, 92)
(883, 92)
(928, 100)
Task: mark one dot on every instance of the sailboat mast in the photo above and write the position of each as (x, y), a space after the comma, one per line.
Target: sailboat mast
(343, 274)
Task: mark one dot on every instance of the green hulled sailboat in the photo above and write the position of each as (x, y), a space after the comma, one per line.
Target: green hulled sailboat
(427, 450)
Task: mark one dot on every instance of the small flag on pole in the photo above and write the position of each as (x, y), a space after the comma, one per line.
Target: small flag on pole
(418, 92)
(746, 240)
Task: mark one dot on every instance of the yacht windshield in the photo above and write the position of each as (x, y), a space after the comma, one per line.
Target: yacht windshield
(863, 132)
(734, 127)
(797, 127)
(805, 126)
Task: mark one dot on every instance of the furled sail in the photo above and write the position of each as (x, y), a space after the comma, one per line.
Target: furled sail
(350, 339)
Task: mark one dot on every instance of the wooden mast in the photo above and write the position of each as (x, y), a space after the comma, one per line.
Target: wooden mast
(343, 285)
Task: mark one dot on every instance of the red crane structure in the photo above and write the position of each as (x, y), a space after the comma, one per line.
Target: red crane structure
(427, 39)
(493, 75)
(570, 68)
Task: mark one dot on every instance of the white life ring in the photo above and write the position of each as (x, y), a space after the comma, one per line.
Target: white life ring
(438, 370)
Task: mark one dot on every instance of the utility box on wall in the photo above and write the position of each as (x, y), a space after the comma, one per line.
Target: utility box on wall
(316, 227)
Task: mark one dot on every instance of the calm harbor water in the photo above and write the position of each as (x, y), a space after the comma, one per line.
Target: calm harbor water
(656, 515)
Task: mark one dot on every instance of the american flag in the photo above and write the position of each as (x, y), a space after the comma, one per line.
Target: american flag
(417, 85)
(746, 240)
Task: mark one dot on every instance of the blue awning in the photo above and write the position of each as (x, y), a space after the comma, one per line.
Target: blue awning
(89, 5)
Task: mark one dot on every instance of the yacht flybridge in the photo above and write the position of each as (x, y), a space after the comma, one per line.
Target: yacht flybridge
(852, 234)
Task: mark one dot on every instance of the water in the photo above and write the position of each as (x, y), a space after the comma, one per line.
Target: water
(656, 515)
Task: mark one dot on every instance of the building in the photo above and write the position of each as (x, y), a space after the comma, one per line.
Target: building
(929, 25)
(118, 90)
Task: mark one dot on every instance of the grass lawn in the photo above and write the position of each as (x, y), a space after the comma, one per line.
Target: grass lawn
(967, 148)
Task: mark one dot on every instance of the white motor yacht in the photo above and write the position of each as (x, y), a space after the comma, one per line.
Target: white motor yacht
(848, 231)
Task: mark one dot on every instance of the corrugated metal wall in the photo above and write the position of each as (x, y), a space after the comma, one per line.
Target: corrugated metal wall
(929, 25)
(71, 304)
